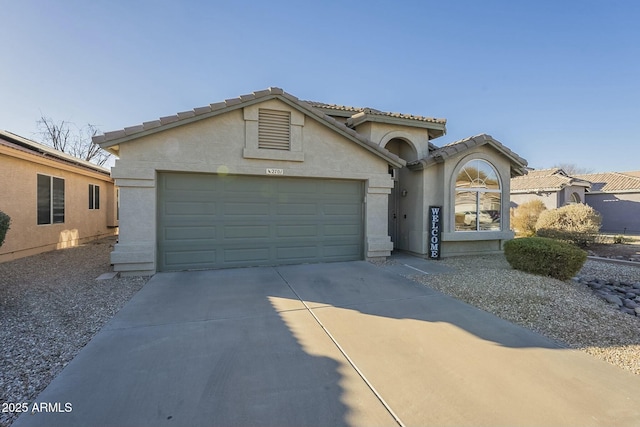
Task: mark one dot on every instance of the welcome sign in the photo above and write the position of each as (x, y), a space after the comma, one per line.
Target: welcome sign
(435, 231)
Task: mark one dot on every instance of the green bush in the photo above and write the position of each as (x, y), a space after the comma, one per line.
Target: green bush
(578, 224)
(545, 257)
(4, 226)
(525, 216)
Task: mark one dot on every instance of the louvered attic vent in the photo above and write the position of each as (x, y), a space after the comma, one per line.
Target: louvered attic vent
(274, 129)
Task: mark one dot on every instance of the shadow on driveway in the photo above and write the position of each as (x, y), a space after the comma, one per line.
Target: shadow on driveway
(326, 344)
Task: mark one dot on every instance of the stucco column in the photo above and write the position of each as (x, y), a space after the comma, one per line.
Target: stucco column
(135, 252)
(378, 241)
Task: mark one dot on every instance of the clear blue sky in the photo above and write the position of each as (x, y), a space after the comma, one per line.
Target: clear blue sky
(555, 81)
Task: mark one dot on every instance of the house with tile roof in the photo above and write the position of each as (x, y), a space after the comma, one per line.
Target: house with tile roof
(552, 186)
(616, 195)
(268, 179)
(55, 200)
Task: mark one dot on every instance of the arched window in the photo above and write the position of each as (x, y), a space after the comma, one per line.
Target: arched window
(477, 197)
(575, 198)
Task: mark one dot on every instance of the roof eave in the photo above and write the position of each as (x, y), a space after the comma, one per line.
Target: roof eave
(362, 117)
(153, 127)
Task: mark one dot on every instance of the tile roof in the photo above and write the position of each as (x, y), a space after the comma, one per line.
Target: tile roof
(373, 111)
(110, 139)
(613, 182)
(553, 179)
(441, 154)
(20, 143)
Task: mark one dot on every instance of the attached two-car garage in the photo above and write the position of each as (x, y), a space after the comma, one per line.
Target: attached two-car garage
(217, 221)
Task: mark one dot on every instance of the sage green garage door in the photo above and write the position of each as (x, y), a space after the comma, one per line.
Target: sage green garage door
(215, 221)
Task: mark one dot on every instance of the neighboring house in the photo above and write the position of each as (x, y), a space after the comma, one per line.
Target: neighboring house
(267, 179)
(54, 200)
(552, 186)
(617, 197)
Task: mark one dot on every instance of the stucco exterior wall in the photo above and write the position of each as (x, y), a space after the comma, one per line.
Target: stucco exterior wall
(381, 133)
(472, 242)
(219, 145)
(620, 212)
(18, 198)
(550, 200)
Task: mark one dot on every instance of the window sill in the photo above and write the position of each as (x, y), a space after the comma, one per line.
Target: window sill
(294, 156)
(465, 236)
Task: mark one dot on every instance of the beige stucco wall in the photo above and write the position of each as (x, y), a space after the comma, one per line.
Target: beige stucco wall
(18, 198)
(549, 199)
(439, 188)
(225, 144)
(382, 133)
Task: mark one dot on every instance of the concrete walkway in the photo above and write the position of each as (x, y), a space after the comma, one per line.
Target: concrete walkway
(327, 345)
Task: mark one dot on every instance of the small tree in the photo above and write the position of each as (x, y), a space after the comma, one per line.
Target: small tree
(76, 142)
(578, 224)
(5, 221)
(525, 216)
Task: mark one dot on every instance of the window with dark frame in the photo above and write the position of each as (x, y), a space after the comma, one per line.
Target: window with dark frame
(50, 200)
(94, 196)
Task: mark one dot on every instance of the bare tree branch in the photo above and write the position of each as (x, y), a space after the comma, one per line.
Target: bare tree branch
(572, 168)
(75, 142)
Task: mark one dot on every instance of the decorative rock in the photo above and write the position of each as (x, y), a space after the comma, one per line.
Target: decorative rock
(625, 295)
(613, 300)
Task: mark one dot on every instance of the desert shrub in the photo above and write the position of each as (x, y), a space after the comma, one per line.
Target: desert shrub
(545, 257)
(525, 216)
(619, 238)
(5, 220)
(578, 224)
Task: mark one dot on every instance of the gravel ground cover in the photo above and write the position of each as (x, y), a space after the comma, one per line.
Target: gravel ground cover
(50, 307)
(567, 312)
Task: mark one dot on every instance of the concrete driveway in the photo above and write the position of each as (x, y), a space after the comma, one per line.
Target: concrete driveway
(328, 345)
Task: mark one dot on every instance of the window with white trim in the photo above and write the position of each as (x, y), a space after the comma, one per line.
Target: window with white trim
(94, 196)
(478, 202)
(50, 200)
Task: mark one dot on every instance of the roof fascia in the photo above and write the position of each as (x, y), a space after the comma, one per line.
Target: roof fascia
(52, 162)
(517, 168)
(363, 117)
(309, 111)
(37, 149)
(136, 133)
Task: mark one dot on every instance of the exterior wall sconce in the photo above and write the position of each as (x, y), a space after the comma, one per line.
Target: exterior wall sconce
(404, 192)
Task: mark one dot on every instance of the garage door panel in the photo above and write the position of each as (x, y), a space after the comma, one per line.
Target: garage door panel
(192, 208)
(211, 221)
(189, 233)
(191, 259)
(339, 251)
(341, 209)
(246, 254)
(339, 230)
(297, 208)
(247, 208)
(297, 231)
(246, 231)
(297, 252)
